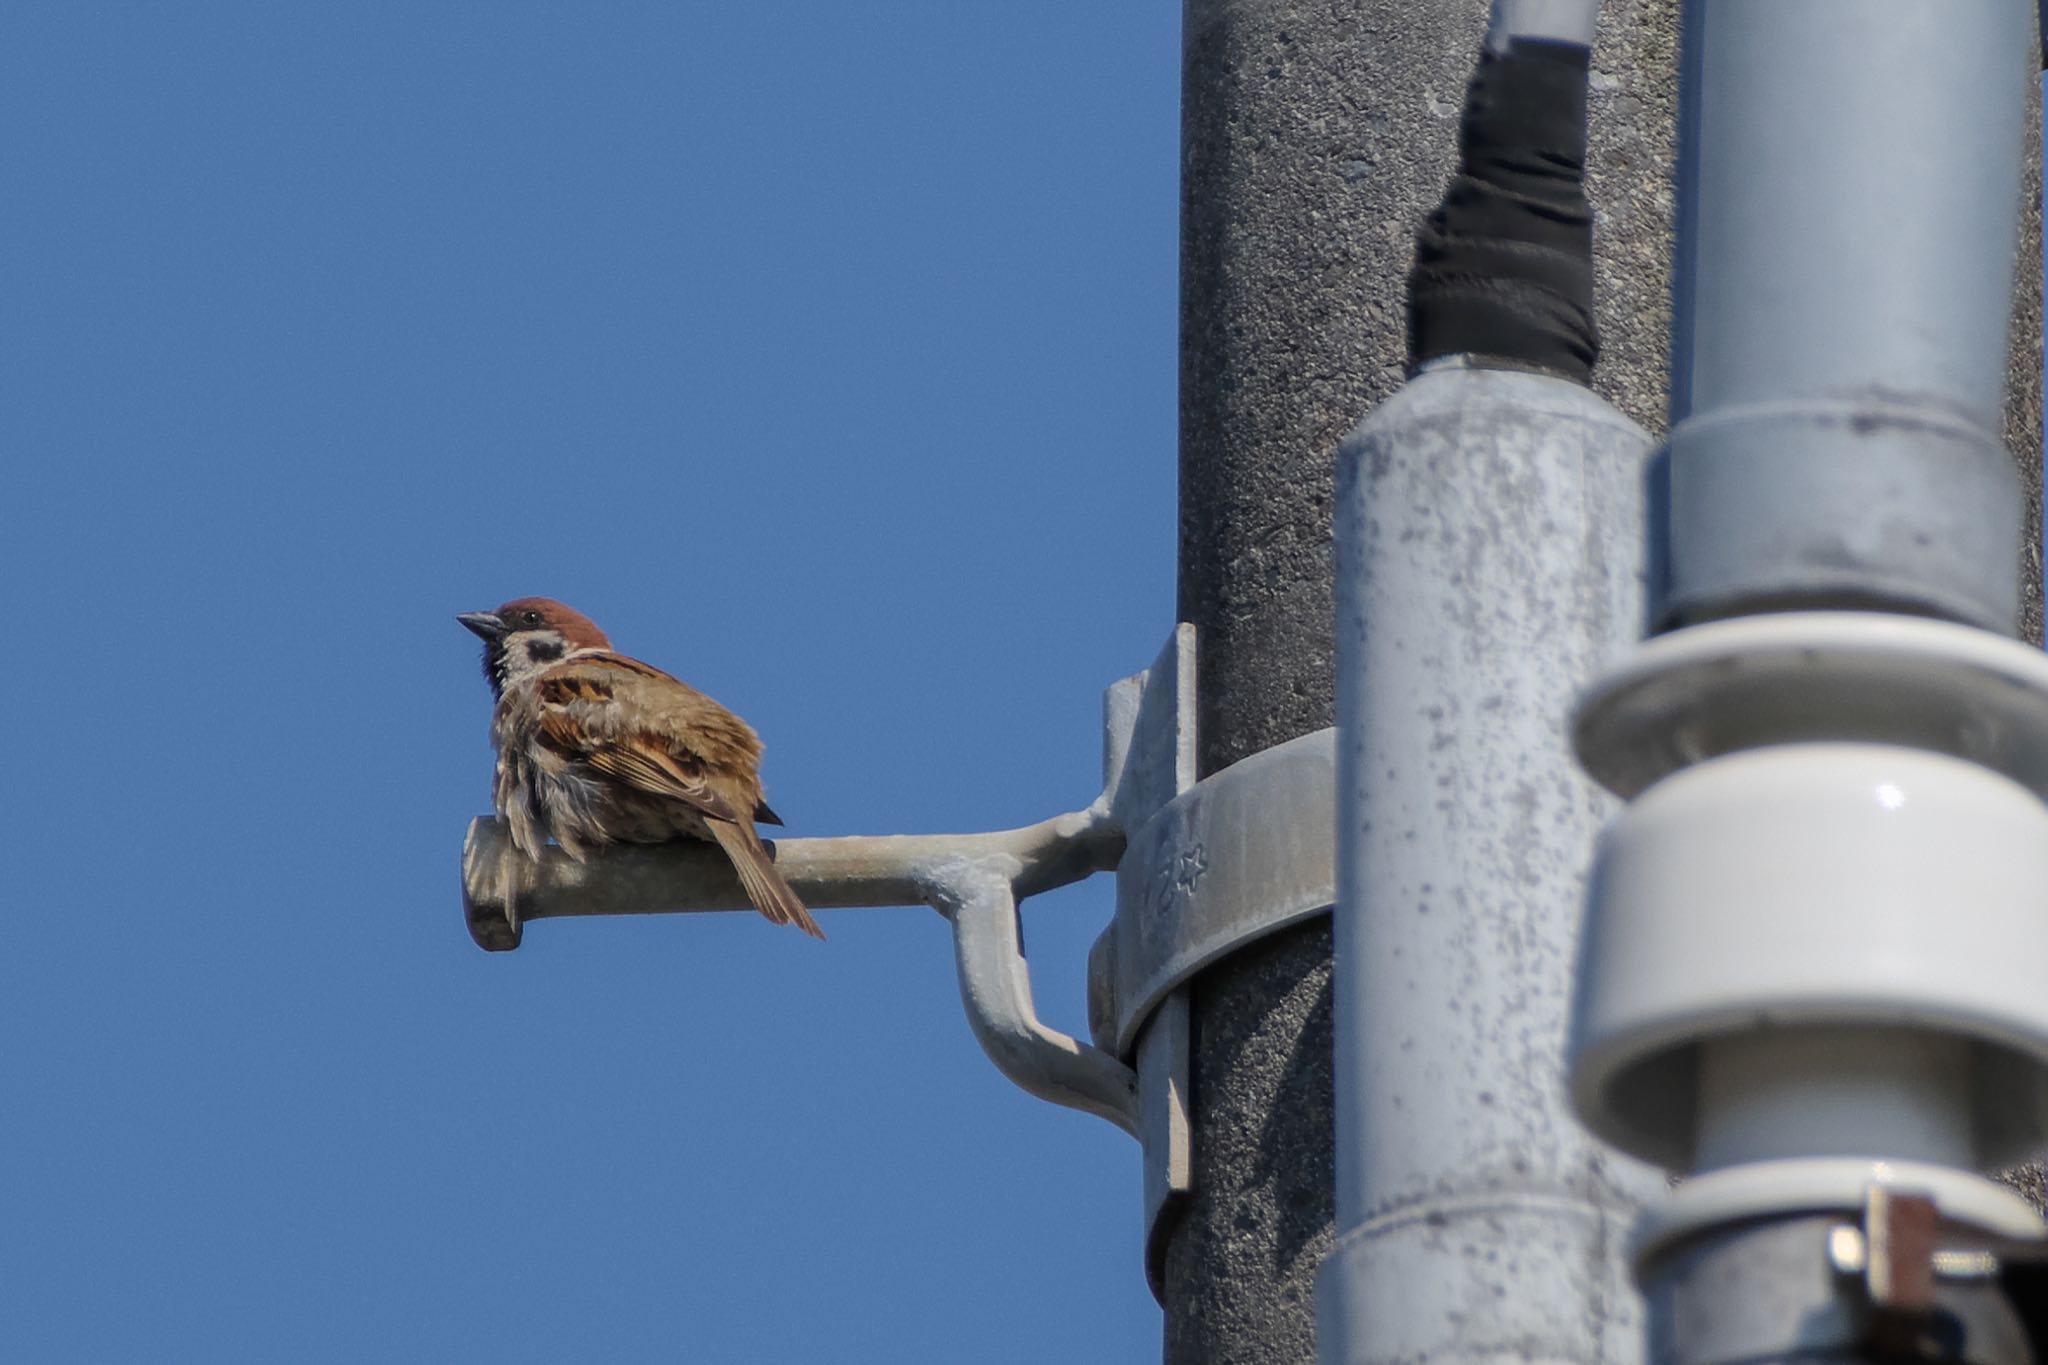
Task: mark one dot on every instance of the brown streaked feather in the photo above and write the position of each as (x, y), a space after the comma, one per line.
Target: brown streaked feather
(642, 762)
(645, 698)
(562, 689)
(630, 723)
(624, 663)
(765, 886)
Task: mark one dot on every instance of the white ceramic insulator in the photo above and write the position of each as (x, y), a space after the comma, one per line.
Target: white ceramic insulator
(1834, 1091)
(1801, 886)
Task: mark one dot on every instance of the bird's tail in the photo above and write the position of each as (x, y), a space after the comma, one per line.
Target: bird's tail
(765, 887)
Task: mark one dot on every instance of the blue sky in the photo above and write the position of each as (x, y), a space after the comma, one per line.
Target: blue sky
(823, 353)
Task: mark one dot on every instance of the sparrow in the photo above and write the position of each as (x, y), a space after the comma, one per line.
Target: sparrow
(597, 748)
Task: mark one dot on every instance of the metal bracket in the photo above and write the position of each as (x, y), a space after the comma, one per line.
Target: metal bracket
(995, 986)
(1207, 867)
(975, 880)
(1909, 1263)
(1245, 852)
(1148, 760)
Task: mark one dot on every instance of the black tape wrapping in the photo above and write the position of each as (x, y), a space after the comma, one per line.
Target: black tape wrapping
(1504, 266)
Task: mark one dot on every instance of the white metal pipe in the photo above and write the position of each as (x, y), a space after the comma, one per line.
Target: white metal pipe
(1793, 985)
(1849, 190)
(1874, 249)
(1489, 526)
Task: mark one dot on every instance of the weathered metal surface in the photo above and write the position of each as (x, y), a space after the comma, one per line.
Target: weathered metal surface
(1490, 529)
(1165, 1126)
(995, 986)
(1241, 854)
(1842, 301)
(1778, 1290)
(1148, 750)
(975, 880)
(830, 874)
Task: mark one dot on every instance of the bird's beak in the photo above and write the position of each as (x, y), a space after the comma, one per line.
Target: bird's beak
(486, 625)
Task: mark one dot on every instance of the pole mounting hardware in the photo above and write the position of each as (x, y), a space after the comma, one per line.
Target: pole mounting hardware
(1207, 868)
(1918, 1277)
(1248, 851)
(1203, 868)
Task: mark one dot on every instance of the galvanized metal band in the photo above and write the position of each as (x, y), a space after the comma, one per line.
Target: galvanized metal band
(1244, 852)
(1858, 502)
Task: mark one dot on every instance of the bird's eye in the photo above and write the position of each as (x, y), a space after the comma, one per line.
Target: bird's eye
(530, 618)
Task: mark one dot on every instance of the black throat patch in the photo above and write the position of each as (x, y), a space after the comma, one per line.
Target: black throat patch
(494, 666)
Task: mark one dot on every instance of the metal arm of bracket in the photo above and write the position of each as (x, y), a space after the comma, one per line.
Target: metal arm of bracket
(995, 985)
(830, 874)
(975, 880)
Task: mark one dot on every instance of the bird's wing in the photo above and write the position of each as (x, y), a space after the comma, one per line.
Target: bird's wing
(640, 727)
(643, 761)
(636, 724)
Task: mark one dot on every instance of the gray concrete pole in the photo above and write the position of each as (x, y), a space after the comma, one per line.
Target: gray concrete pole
(2023, 439)
(1314, 139)
(2023, 382)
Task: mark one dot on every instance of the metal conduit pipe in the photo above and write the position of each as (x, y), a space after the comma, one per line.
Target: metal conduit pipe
(1800, 981)
(1841, 302)
(1489, 533)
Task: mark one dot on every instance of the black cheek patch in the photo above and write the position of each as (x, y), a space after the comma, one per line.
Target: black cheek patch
(544, 651)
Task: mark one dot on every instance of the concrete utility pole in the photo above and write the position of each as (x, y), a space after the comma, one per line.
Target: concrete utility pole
(1314, 139)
